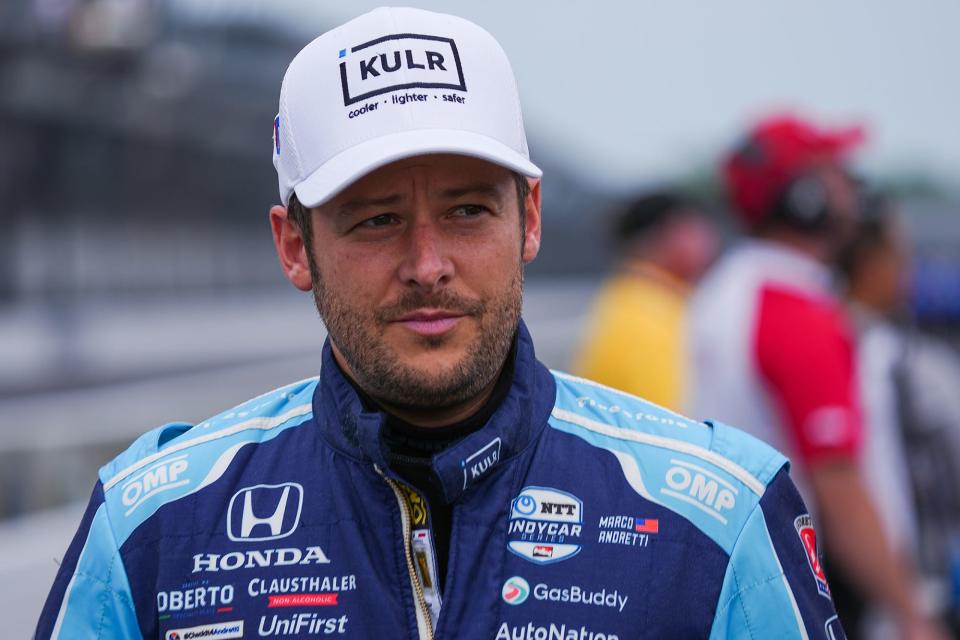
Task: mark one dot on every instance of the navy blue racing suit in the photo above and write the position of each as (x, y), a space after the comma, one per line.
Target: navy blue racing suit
(579, 512)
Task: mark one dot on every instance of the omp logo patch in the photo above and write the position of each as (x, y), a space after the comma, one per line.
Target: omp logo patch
(398, 62)
(162, 476)
(701, 488)
(804, 526)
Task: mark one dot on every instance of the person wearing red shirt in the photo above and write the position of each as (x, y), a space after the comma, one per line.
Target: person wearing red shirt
(771, 350)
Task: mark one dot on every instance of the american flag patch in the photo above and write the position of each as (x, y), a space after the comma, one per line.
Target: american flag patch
(646, 525)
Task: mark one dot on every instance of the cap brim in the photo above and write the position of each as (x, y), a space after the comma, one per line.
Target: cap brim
(349, 166)
(841, 141)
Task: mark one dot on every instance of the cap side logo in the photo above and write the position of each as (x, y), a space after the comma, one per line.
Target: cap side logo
(398, 62)
(276, 134)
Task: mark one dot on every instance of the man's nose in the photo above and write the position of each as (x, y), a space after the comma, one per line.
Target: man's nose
(426, 263)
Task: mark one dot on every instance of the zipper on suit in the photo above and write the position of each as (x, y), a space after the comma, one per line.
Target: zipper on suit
(424, 622)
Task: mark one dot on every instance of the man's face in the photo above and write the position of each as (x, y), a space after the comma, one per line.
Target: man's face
(843, 200)
(885, 270)
(689, 242)
(417, 272)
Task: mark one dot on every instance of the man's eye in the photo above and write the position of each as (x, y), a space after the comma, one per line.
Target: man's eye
(469, 210)
(381, 220)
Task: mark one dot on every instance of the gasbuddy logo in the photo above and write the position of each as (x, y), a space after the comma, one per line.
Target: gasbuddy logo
(397, 62)
(278, 506)
(578, 595)
(545, 525)
(219, 631)
(515, 590)
(701, 488)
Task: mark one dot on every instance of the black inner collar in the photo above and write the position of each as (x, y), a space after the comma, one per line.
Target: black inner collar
(410, 450)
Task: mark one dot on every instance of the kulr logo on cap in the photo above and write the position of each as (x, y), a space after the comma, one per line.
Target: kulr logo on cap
(389, 85)
(397, 62)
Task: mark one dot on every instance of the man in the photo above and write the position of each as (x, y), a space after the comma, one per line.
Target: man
(634, 339)
(435, 480)
(908, 383)
(771, 350)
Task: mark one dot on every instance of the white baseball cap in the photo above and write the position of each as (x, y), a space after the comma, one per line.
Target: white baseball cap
(391, 84)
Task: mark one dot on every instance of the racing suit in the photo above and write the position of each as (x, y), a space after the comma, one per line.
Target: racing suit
(579, 512)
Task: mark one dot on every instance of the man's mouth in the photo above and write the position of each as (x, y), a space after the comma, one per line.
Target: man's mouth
(430, 322)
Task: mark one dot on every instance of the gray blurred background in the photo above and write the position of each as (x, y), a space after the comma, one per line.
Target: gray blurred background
(138, 283)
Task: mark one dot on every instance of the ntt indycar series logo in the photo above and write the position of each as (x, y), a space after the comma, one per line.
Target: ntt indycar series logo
(545, 525)
(398, 62)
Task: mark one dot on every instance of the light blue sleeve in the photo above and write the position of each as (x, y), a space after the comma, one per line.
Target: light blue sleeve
(91, 595)
(755, 600)
(774, 586)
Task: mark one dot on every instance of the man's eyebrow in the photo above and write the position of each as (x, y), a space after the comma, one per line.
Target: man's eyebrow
(477, 188)
(365, 203)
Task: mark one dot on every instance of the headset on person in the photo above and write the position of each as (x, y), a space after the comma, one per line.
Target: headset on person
(802, 203)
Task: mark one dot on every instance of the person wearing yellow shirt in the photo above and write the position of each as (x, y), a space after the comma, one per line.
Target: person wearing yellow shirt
(634, 336)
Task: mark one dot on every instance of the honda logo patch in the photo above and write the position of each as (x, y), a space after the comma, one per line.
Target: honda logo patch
(264, 512)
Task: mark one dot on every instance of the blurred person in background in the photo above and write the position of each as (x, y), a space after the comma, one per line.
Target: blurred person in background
(635, 338)
(771, 349)
(909, 385)
(434, 466)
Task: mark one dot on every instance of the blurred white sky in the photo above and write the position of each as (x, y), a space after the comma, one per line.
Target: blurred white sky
(639, 90)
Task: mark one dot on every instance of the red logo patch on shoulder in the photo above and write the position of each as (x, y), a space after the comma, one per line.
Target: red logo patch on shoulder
(808, 537)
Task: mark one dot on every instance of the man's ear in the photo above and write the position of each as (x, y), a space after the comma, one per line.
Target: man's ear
(288, 240)
(531, 241)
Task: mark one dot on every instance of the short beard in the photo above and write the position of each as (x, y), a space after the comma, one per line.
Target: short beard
(380, 372)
